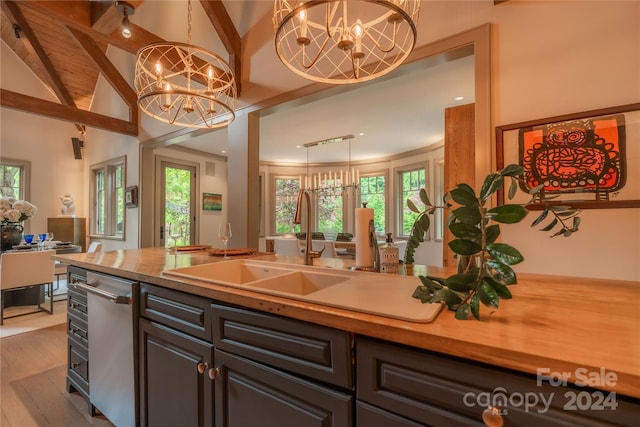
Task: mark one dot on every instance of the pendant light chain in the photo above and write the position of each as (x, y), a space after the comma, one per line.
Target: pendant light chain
(189, 22)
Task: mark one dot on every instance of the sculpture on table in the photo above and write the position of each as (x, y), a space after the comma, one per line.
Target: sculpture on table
(68, 207)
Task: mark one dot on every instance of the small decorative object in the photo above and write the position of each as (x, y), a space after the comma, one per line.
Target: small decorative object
(484, 270)
(211, 202)
(12, 213)
(131, 196)
(68, 206)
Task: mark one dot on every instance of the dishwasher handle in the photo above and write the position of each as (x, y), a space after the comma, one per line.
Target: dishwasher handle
(118, 299)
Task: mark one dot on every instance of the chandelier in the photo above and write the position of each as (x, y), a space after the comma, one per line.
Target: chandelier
(344, 41)
(332, 183)
(185, 85)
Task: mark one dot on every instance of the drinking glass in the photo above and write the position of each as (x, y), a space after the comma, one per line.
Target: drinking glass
(224, 234)
(174, 233)
(42, 238)
(28, 238)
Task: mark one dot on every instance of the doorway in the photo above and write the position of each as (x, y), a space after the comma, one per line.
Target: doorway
(176, 211)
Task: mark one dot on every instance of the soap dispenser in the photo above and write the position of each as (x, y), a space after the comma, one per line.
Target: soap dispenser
(389, 257)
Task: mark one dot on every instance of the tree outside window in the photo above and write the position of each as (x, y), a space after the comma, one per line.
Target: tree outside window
(372, 191)
(411, 181)
(11, 182)
(286, 193)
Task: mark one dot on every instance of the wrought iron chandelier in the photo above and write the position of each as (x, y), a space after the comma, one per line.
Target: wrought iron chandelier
(344, 41)
(185, 85)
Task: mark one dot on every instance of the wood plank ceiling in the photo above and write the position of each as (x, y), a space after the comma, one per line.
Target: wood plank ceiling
(65, 42)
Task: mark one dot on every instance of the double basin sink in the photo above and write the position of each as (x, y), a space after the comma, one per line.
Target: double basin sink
(374, 293)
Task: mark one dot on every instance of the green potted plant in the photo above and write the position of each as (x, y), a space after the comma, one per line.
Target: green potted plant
(484, 264)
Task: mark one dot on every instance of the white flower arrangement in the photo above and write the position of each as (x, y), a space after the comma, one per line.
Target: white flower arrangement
(14, 211)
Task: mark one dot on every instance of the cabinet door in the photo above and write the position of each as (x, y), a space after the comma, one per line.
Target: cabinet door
(173, 390)
(251, 394)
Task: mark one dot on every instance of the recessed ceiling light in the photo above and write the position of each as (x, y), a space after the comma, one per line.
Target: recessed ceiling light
(298, 146)
(361, 134)
(223, 151)
(459, 98)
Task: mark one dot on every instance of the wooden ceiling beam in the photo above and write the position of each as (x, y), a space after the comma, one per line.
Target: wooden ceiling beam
(109, 71)
(54, 110)
(36, 50)
(228, 34)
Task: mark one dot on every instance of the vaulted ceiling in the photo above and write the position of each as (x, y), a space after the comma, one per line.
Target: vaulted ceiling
(65, 42)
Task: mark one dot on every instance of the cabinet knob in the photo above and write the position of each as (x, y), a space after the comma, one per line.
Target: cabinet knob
(213, 373)
(492, 417)
(74, 330)
(202, 366)
(73, 305)
(74, 365)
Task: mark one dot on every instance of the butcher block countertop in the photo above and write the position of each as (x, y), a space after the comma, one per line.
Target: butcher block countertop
(558, 324)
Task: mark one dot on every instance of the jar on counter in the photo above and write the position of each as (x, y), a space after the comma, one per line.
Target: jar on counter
(389, 256)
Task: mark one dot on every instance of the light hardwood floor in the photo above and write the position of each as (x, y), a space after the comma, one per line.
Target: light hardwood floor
(33, 386)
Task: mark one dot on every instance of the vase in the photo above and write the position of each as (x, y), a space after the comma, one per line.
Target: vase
(11, 235)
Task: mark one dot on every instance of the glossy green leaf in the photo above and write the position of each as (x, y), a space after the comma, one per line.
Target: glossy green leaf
(475, 306)
(423, 294)
(462, 312)
(412, 206)
(512, 170)
(450, 298)
(461, 282)
(424, 197)
(502, 291)
(432, 285)
(540, 217)
(505, 253)
(537, 189)
(467, 188)
(464, 197)
(464, 247)
(488, 295)
(501, 273)
(491, 184)
(466, 231)
(576, 224)
(513, 188)
(559, 208)
(492, 232)
(549, 226)
(508, 214)
(468, 215)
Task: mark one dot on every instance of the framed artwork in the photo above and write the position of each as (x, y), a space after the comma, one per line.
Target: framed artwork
(588, 160)
(131, 196)
(211, 202)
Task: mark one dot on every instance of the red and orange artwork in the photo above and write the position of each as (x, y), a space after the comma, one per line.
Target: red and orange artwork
(577, 156)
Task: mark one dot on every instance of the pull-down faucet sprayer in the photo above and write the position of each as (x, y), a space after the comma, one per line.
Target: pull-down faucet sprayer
(309, 254)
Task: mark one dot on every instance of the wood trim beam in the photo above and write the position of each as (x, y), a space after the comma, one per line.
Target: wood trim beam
(228, 34)
(109, 71)
(54, 110)
(36, 51)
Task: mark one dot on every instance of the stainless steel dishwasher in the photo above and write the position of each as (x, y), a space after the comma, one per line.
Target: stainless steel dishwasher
(110, 307)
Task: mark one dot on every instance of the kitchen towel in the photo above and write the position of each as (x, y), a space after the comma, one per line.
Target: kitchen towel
(364, 250)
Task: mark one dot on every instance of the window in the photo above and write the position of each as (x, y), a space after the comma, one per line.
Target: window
(286, 194)
(410, 181)
(108, 198)
(13, 179)
(372, 191)
(330, 211)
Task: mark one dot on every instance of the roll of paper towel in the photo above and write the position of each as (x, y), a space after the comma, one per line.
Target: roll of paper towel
(364, 251)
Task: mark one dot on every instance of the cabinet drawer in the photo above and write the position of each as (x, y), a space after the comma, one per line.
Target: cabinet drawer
(77, 303)
(78, 365)
(187, 313)
(77, 329)
(314, 351)
(434, 389)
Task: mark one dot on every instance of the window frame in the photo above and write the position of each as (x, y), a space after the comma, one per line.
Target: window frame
(273, 201)
(25, 175)
(109, 169)
(399, 199)
(387, 202)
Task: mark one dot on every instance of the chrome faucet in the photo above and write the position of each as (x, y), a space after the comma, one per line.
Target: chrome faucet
(309, 254)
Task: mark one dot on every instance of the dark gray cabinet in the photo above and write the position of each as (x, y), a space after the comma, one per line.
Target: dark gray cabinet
(176, 356)
(252, 394)
(417, 387)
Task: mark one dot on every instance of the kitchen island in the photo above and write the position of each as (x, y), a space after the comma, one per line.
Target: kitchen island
(556, 331)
